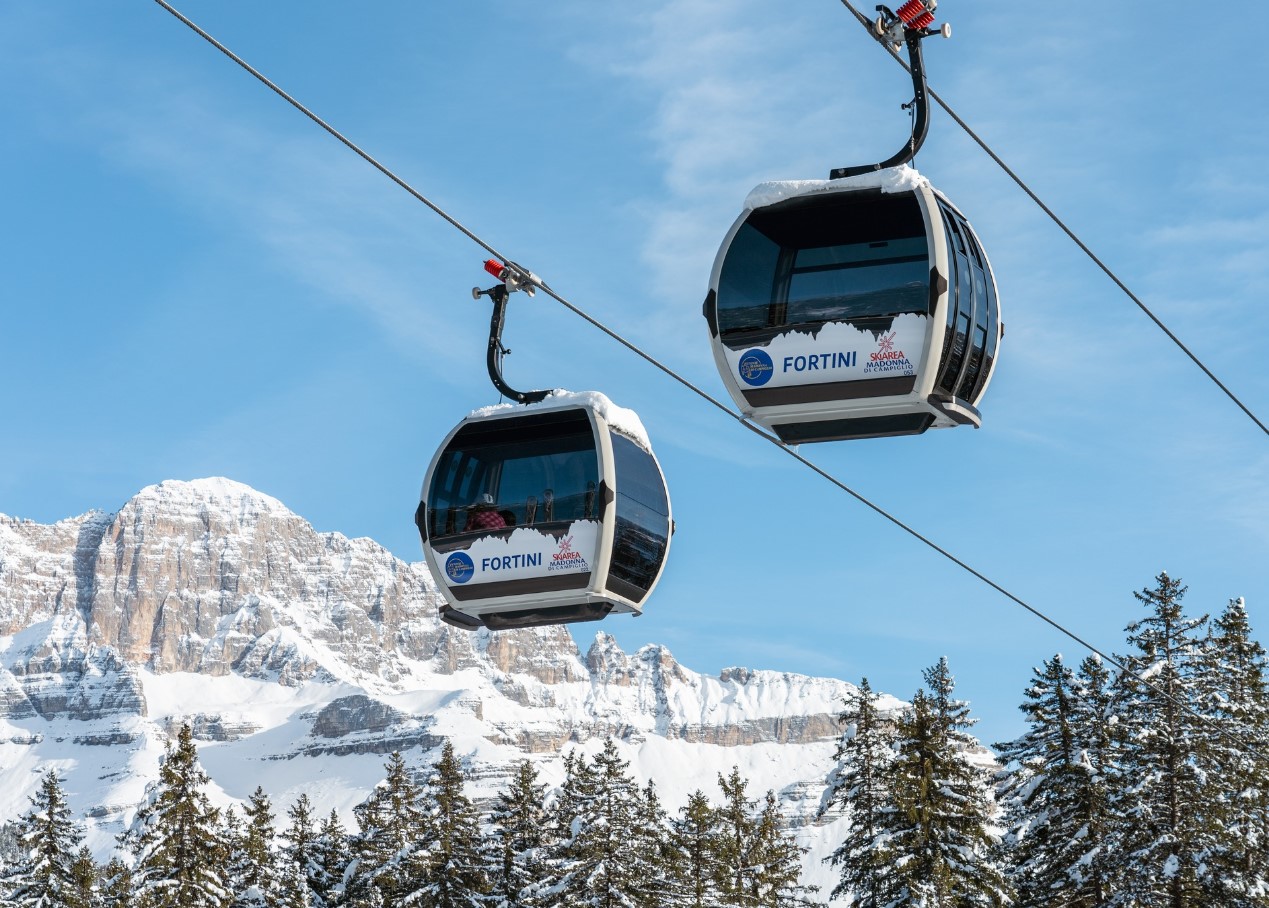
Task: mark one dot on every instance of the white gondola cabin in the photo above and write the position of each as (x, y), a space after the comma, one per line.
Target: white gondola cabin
(854, 308)
(549, 513)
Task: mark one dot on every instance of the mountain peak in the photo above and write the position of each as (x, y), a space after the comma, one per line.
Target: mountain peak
(216, 490)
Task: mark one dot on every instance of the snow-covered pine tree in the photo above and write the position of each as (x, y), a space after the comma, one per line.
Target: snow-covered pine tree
(42, 876)
(736, 842)
(596, 866)
(694, 840)
(1052, 795)
(1099, 735)
(518, 821)
(254, 872)
(858, 786)
(85, 880)
(175, 836)
(1159, 790)
(293, 890)
(972, 844)
(778, 862)
(300, 845)
(10, 850)
(651, 843)
(232, 838)
(330, 860)
(944, 845)
(917, 876)
(394, 829)
(1230, 674)
(453, 860)
(115, 889)
(564, 820)
(565, 804)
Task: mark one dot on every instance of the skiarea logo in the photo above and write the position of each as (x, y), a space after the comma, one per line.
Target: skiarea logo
(567, 558)
(887, 359)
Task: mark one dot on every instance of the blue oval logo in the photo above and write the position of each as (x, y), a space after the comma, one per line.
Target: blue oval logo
(459, 567)
(756, 367)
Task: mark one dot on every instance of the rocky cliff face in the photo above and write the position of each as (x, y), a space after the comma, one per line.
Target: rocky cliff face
(207, 602)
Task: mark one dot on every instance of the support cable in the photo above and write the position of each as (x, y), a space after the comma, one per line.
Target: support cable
(522, 276)
(1064, 228)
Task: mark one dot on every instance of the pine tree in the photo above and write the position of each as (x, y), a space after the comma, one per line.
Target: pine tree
(1230, 676)
(293, 888)
(454, 872)
(300, 848)
(115, 890)
(10, 850)
(651, 845)
(43, 876)
(253, 868)
(971, 848)
(1054, 803)
(736, 842)
(393, 828)
(943, 844)
(578, 787)
(858, 785)
(84, 880)
(694, 840)
(329, 863)
(1159, 789)
(1100, 738)
(174, 837)
(594, 867)
(564, 821)
(778, 861)
(518, 819)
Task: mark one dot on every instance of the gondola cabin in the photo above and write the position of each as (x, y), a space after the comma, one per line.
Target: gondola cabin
(549, 513)
(854, 308)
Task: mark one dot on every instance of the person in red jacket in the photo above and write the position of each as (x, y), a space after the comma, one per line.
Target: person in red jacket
(483, 516)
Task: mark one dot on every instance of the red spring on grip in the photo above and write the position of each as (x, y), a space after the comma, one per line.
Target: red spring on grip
(494, 267)
(915, 14)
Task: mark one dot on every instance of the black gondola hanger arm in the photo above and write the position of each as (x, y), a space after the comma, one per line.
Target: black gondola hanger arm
(512, 277)
(910, 26)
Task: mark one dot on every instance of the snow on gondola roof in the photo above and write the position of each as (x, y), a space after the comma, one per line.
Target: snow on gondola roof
(893, 179)
(620, 419)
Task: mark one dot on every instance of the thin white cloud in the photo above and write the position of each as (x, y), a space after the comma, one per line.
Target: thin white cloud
(317, 213)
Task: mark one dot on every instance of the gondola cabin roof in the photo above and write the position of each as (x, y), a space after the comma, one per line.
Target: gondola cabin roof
(890, 180)
(619, 419)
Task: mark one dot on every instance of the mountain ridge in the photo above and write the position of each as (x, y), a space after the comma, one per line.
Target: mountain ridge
(207, 602)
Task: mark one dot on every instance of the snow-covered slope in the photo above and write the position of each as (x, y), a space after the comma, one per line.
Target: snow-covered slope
(301, 659)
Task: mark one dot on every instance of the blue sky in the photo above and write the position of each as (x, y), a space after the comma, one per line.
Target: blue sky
(197, 281)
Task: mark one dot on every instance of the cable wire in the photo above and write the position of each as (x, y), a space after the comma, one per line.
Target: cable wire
(740, 418)
(866, 23)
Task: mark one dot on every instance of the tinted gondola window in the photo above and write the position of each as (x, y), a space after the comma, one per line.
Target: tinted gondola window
(535, 472)
(961, 303)
(746, 281)
(643, 522)
(835, 257)
(956, 264)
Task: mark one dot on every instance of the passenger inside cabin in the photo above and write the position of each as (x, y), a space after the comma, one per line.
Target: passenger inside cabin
(483, 516)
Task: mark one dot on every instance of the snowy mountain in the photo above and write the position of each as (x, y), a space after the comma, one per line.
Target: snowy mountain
(301, 659)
